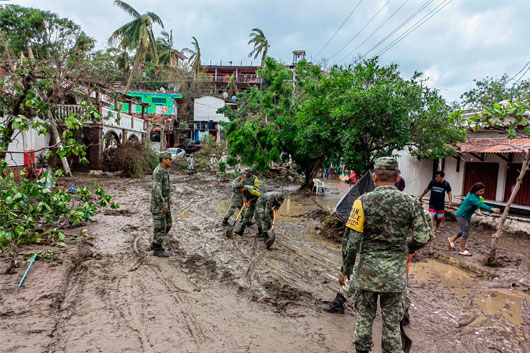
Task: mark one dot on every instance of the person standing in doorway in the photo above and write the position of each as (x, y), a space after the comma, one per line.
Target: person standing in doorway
(438, 187)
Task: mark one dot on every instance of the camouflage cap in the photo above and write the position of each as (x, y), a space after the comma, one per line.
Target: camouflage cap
(248, 170)
(165, 155)
(386, 163)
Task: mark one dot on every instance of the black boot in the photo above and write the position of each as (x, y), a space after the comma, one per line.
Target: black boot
(241, 229)
(159, 251)
(225, 221)
(260, 232)
(269, 239)
(336, 306)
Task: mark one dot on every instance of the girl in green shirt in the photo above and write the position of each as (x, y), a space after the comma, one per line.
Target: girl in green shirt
(471, 203)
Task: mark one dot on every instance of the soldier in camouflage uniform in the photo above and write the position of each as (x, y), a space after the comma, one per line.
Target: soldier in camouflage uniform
(264, 214)
(237, 198)
(378, 228)
(160, 204)
(250, 195)
(252, 180)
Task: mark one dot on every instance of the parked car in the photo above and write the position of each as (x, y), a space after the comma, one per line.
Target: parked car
(176, 152)
(192, 146)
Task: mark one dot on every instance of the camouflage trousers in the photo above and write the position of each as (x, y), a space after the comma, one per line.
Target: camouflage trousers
(162, 225)
(348, 291)
(249, 212)
(391, 313)
(235, 202)
(263, 217)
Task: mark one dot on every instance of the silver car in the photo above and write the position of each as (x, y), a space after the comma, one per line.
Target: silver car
(176, 152)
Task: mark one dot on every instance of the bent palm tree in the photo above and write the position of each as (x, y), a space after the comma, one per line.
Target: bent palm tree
(261, 44)
(164, 45)
(136, 35)
(195, 58)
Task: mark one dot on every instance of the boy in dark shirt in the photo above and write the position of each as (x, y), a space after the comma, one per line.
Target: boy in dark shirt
(438, 187)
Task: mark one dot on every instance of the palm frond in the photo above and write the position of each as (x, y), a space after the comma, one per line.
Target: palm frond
(155, 18)
(127, 8)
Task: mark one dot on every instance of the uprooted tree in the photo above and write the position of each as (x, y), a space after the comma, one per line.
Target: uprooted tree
(512, 118)
(354, 114)
(53, 66)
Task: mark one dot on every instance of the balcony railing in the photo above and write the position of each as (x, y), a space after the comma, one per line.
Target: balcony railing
(239, 79)
(110, 117)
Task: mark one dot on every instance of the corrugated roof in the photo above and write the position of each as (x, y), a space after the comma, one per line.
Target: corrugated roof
(495, 146)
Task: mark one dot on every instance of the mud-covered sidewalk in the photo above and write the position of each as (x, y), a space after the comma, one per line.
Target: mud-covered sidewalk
(106, 293)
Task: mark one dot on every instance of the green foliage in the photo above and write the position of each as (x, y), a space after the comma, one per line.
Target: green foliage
(45, 33)
(490, 90)
(30, 213)
(260, 43)
(511, 117)
(353, 114)
(222, 167)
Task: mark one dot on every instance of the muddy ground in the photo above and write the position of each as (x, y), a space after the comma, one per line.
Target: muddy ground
(106, 293)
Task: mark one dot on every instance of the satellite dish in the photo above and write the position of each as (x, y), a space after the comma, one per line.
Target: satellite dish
(225, 95)
(234, 98)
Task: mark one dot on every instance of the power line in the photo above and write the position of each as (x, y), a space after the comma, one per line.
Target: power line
(374, 32)
(517, 74)
(333, 36)
(524, 73)
(355, 36)
(427, 3)
(414, 27)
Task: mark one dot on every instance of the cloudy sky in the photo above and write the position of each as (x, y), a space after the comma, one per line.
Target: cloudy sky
(465, 40)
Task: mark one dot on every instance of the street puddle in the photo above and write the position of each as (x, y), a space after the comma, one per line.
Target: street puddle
(491, 301)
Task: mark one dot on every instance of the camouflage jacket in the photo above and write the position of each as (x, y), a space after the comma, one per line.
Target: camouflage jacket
(251, 193)
(379, 225)
(160, 189)
(252, 181)
(268, 200)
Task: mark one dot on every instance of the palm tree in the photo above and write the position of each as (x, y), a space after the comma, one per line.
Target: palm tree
(231, 86)
(195, 58)
(164, 45)
(136, 35)
(261, 44)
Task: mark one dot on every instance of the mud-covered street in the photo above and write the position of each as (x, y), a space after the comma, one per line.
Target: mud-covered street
(106, 293)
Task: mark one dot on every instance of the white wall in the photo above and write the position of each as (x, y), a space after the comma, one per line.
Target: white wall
(417, 173)
(25, 141)
(205, 109)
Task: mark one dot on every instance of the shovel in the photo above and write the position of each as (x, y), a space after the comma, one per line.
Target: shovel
(405, 340)
(230, 230)
(272, 233)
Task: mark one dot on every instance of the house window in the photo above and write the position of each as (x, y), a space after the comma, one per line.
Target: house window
(158, 100)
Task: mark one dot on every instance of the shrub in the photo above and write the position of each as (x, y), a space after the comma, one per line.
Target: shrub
(133, 159)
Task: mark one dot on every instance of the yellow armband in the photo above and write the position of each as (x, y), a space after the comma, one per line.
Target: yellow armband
(356, 220)
(255, 193)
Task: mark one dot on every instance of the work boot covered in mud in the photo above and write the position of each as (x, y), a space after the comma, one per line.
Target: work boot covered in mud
(159, 251)
(241, 230)
(268, 239)
(336, 306)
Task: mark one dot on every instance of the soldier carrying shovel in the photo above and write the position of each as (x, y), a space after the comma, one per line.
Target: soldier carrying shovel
(266, 208)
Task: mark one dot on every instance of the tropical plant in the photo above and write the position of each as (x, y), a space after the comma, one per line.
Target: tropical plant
(261, 44)
(195, 58)
(231, 86)
(136, 35)
(164, 45)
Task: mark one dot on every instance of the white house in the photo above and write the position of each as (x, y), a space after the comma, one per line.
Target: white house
(206, 119)
(486, 157)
